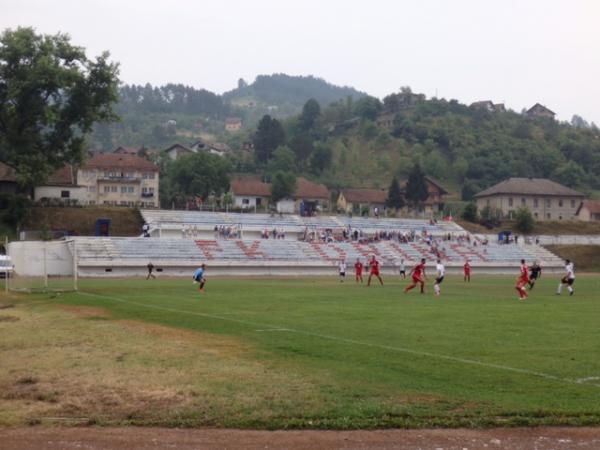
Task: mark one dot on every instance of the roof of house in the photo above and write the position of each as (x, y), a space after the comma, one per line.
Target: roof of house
(65, 176)
(250, 186)
(539, 107)
(179, 147)
(529, 186)
(436, 184)
(7, 173)
(482, 104)
(119, 161)
(308, 189)
(233, 120)
(365, 195)
(593, 206)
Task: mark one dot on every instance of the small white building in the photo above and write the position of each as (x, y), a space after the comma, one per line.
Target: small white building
(250, 193)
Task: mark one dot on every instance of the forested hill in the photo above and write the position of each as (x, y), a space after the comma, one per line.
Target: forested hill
(367, 142)
(155, 116)
(287, 94)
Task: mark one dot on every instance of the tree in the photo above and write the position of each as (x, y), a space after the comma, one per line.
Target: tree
(51, 95)
(524, 220)
(395, 199)
(283, 160)
(470, 212)
(416, 186)
(469, 189)
(302, 146)
(367, 107)
(321, 158)
(198, 174)
(282, 186)
(310, 112)
(269, 135)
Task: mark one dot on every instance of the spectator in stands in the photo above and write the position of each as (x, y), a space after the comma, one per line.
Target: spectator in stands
(146, 230)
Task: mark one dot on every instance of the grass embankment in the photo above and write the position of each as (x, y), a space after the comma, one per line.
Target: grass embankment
(82, 221)
(301, 354)
(586, 257)
(546, 227)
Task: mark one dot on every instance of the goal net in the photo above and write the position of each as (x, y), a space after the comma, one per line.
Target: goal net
(42, 266)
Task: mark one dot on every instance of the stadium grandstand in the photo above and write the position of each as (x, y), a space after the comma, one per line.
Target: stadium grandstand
(263, 244)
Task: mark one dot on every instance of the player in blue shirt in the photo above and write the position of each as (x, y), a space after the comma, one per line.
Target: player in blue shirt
(199, 277)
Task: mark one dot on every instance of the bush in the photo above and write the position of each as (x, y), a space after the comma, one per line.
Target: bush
(13, 209)
(524, 220)
(470, 213)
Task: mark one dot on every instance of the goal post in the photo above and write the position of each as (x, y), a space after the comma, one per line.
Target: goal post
(43, 266)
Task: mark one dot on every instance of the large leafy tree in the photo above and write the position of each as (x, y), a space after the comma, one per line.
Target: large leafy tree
(310, 112)
(321, 158)
(395, 199)
(198, 174)
(282, 186)
(416, 186)
(51, 94)
(269, 135)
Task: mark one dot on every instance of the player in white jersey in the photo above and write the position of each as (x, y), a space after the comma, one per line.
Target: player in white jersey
(342, 267)
(568, 279)
(441, 270)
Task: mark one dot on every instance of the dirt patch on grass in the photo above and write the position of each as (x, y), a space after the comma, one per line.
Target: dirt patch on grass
(58, 364)
(4, 318)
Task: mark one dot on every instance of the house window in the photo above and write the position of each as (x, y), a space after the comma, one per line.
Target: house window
(258, 201)
(523, 202)
(123, 189)
(560, 202)
(131, 189)
(548, 203)
(487, 202)
(535, 203)
(535, 215)
(91, 188)
(92, 202)
(150, 204)
(560, 217)
(65, 194)
(113, 189)
(245, 201)
(510, 201)
(548, 216)
(106, 189)
(572, 203)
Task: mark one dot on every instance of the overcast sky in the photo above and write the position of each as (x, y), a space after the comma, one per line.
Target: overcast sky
(515, 51)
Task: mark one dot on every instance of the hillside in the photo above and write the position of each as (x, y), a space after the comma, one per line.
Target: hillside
(158, 116)
(284, 95)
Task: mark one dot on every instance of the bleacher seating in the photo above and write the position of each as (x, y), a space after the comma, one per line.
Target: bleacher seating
(290, 251)
(167, 219)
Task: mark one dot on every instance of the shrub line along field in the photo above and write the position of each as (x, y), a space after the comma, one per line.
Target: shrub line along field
(302, 353)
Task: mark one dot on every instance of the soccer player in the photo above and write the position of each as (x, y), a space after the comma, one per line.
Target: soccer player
(418, 277)
(199, 277)
(342, 267)
(402, 269)
(150, 269)
(374, 271)
(441, 270)
(522, 281)
(358, 269)
(535, 272)
(467, 271)
(568, 279)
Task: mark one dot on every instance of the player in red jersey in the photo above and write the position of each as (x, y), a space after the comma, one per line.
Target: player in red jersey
(467, 271)
(522, 281)
(374, 271)
(358, 269)
(418, 277)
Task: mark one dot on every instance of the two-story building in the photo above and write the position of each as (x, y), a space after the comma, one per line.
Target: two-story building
(546, 199)
(105, 179)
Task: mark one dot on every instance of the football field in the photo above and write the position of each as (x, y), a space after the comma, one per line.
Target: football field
(302, 353)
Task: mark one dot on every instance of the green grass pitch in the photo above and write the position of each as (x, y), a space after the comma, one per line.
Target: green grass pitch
(358, 357)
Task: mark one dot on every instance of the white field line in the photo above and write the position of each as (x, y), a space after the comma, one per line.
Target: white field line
(267, 327)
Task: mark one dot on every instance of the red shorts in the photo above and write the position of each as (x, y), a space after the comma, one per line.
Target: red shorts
(523, 280)
(375, 272)
(467, 273)
(359, 274)
(417, 279)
